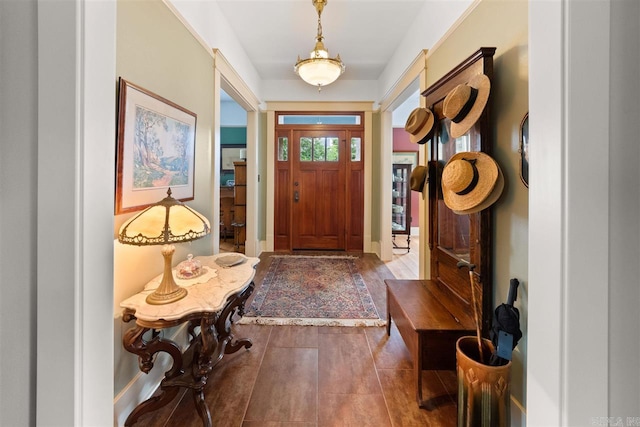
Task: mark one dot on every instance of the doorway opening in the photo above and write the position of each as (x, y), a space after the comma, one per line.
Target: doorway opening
(233, 154)
(405, 218)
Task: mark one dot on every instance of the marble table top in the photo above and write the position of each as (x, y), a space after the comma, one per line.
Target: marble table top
(207, 293)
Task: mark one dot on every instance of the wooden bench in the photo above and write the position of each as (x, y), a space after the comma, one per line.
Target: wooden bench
(430, 318)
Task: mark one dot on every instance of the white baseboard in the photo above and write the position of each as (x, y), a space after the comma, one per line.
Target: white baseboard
(518, 413)
(376, 248)
(142, 386)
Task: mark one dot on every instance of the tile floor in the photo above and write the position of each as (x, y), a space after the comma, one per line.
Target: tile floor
(318, 376)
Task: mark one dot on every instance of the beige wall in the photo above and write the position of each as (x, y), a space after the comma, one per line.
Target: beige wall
(376, 181)
(154, 50)
(262, 185)
(503, 25)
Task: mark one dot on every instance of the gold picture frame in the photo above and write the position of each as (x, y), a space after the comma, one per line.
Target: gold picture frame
(155, 149)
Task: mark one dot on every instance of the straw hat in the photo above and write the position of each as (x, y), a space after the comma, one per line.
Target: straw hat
(418, 178)
(420, 125)
(471, 182)
(465, 103)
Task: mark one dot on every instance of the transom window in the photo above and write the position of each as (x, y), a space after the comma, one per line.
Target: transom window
(323, 119)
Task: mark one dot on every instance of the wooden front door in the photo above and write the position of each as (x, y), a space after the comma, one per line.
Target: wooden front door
(319, 163)
(319, 181)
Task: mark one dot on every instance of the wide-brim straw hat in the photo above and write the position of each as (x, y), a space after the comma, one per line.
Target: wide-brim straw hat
(418, 178)
(465, 103)
(419, 125)
(471, 182)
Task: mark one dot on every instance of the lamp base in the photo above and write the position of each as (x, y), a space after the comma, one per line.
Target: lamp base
(158, 299)
(168, 291)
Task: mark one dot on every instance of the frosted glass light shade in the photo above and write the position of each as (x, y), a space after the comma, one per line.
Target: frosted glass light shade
(319, 71)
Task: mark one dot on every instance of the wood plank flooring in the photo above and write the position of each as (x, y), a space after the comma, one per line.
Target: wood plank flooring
(404, 265)
(319, 376)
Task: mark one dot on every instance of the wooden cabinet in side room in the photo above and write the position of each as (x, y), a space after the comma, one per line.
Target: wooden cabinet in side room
(240, 205)
(401, 205)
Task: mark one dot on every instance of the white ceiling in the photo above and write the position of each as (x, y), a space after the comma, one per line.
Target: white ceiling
(366, 33)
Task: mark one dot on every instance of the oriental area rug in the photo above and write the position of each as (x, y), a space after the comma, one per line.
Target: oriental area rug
(312, 290)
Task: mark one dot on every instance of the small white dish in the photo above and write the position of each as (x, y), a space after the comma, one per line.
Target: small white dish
(230, 260)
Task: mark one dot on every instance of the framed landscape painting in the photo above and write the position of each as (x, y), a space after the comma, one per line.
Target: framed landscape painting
(155, 149)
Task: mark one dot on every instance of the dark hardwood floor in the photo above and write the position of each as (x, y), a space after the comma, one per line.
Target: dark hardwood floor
(318, 376)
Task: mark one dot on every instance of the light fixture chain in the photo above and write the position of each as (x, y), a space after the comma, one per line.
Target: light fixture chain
(319, 36)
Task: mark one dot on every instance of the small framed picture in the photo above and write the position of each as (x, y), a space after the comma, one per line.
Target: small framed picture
(155, 149)
(406, 157)
(229, 154)
(524, 150)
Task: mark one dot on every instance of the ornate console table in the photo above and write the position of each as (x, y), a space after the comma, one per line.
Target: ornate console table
(208, 308)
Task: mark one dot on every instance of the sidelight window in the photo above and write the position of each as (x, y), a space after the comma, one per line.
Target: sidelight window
(283, 149)
(356, 149)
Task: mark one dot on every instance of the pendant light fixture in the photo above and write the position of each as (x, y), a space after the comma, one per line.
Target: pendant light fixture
(319, 70)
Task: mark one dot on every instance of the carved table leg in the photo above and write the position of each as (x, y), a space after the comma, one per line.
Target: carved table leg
(223, 325)
(134, 342)
(202, 367)
(203, 409)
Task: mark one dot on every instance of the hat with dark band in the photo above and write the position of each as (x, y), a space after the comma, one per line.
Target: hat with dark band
(420, 125)
(418, 178)
(471, 182)
(465, 103)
